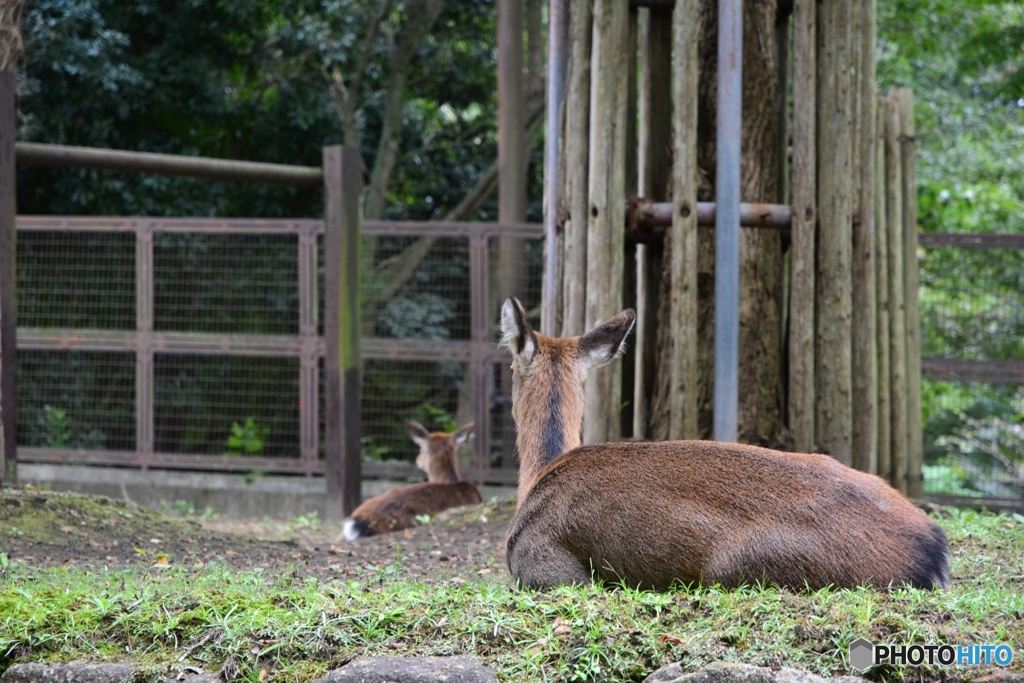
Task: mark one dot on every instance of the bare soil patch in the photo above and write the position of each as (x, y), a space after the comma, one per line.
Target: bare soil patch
(45, 528)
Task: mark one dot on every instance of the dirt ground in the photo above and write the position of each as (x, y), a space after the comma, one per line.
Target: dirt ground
(47, 528)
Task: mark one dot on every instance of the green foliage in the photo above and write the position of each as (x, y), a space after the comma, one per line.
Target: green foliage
(57, 425)
(247, 439)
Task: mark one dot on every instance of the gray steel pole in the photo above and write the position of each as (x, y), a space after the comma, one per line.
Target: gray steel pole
(558, 20)
(727, 225)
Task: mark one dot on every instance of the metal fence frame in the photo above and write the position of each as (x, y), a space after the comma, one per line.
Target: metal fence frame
(340, 347)
(960, 370)
(479, 352)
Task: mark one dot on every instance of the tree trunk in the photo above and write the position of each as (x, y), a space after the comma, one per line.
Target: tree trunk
(760, 389)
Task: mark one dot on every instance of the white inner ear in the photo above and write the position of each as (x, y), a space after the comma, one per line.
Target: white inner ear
(462, 437)
(511, 334)
(602, 355)
(421, 442)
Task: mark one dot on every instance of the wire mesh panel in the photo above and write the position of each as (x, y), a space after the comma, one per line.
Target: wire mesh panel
(76, 280)
(226, 405)
(241, 283)
(972, 322)
(395, 391)
(76, 399)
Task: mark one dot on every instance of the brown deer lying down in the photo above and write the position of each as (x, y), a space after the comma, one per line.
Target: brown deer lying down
(652, 514)
(398, 508)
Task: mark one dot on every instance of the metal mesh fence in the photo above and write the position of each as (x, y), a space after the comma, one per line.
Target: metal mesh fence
(76, 280)
(209, 389)
(972, 309)
(226, 283)
(226, 405)
(75, 399)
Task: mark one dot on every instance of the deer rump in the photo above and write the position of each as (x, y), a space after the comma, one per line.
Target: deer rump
(398, 508)
(655, 514)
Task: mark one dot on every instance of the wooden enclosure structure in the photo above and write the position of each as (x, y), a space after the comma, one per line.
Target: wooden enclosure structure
(846, 217)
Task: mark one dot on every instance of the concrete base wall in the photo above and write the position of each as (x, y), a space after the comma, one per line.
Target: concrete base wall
(232, 495)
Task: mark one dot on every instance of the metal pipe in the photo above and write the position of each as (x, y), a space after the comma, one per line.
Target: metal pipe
(646, 218)
(62, 156)
(727, 225)
(557, 30)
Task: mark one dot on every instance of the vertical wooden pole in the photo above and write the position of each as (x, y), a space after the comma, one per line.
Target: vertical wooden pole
(342, 356)
(145, 436)
(605, 235)
(682, 237)
(897, 295)
(640, 341)
(801, 268)
(8, 265)
(864, 354)
(577, 165)
(883, 466)
(915, 438)
(512, 154)
(479, 374)
(833, 416)
(654, 158)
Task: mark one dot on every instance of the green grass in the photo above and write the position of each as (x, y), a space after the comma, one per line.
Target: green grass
(283, 628)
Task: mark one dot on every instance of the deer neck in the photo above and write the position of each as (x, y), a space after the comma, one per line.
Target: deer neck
(549, 421)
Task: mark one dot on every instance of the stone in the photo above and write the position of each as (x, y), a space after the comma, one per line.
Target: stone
(73, 672)
(459, 669)
(1001, 676)
(732, 672)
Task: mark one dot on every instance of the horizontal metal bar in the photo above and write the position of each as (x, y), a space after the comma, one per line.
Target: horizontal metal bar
(255, 345)
(398, 471)
(291, 226)
(646, 220)
(171, 225)
(63, 156)
(963, 240)
(453, 229)
(977, 503)
(987, 371)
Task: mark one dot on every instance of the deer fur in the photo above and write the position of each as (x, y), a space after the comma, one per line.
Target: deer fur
(398, 508)
(655, 514)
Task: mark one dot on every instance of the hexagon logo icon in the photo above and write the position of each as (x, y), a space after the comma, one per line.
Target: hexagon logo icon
(862, 654)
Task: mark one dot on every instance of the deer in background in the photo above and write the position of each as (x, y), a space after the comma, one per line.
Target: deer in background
(398, 508)
(652, 514)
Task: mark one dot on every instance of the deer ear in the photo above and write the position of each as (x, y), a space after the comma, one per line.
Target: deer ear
(418, 433)
(517, 336)
(463, 434)
(606, 342)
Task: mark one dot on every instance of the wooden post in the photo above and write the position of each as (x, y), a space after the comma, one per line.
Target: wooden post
(883, 465)
(863, 359)
(342, 356)
(897, 295)
(8, 265)
(508, 262)
(833, 416)
(654, 169)
(801, 264)
(640, 340)
(915, 438)
(605, 235)
(577, 165)
(682, 238)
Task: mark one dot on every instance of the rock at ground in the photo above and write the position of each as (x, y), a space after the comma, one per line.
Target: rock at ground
(74, 672)
(412, 670)
(1001, 676)
(731, 672)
